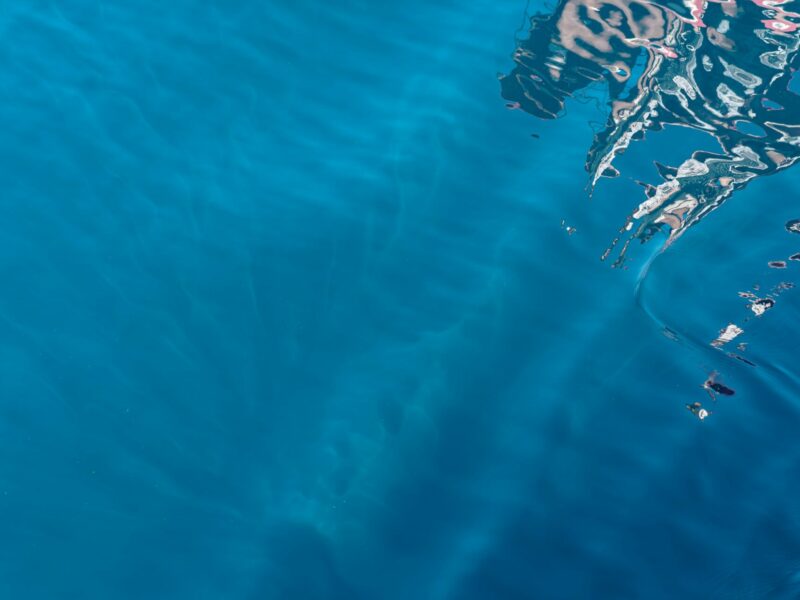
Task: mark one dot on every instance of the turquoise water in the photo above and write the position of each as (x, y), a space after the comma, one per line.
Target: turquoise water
(293, 308)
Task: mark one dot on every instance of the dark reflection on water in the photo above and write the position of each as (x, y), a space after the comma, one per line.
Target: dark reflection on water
(723, 68)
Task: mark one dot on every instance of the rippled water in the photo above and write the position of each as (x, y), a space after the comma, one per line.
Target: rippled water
(294, 306)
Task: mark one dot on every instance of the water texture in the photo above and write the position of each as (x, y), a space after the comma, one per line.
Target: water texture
(294, 306)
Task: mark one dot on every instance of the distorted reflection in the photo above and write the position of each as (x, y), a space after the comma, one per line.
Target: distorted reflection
(714, 386)
(698, 410)
(723, 68)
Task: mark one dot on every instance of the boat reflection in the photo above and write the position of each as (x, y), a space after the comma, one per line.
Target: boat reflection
(723, 68)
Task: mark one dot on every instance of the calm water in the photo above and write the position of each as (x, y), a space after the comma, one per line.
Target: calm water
(295, 307)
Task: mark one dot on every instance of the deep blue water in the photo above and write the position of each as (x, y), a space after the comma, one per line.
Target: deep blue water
(288, 311)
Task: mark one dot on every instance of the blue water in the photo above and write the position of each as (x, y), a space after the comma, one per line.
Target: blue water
(288, 311)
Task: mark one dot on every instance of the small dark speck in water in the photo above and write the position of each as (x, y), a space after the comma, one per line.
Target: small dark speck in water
(777, 264)
(793, 226)
(795, 256)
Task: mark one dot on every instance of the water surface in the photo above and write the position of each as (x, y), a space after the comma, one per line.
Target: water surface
(294, 306)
